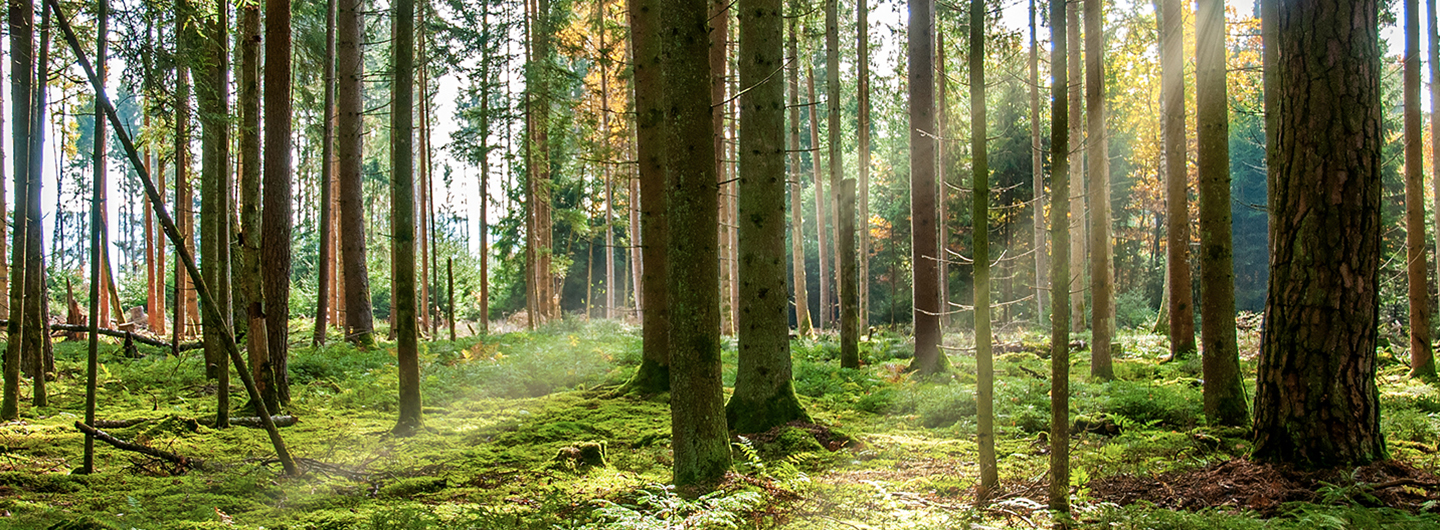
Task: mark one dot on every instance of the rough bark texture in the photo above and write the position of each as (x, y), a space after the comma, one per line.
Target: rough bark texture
(764, 396)
(184, 211)
(349, 150)
(849, 282)
(862, 135)
(1433, 23)
(1037, 174)
(1181, 307)
(402, 213)
(277, 226)
(1059, 264)
(1224, 395)
(213, 96)
(835, 162)
(1102, 273)
(821, 234)
(797, 223)
(1076, 163)
(654, 373)
(980, 218)
(22, 59)
(925, 246)
(699, 436)
(37, 340)
(327, 175)
(1316, 403)
(258, 345)
(97, 237)
(1422, 358)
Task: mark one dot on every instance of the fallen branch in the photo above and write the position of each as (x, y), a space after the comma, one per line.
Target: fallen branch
(142, 449)
(119, 424)
(254, 421)
(119, 335)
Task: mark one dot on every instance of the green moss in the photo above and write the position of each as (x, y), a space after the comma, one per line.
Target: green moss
(411, 487)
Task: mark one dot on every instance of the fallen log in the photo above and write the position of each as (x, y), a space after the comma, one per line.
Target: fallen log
(255, 421)
(137, 448)
(119, 424)
(119, 335)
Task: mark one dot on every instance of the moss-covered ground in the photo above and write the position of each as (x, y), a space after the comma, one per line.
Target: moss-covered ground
(507, 417)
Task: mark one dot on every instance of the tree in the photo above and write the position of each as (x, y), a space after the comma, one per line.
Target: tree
(797, 225)
(36, 338)
(764, 396)
(1422, 359)
(700, 438)
(1060, 262)
(980, 217)
(1037, 174)
(1181, 306)
(1224, 396)
(250, 288)
(276, 228)
(349, 151)
(926, 247)
(402, 213)
(327, 176)
(1433, 23)
(862, 134)
(653, 375)
(1316, 403)
(849, 278)
(1102, 273)
(184, 211)
(215, 183)
(822, 277)
(97, 235)
(1076, 163)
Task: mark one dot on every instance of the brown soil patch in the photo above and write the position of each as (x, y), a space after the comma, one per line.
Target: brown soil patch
(829, 439)
(1264, 487)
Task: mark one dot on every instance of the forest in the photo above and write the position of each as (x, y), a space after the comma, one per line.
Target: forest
(672, 264)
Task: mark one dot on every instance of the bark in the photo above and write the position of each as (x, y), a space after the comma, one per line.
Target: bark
(1422, 359)
(764, 394)
(925, 248)
(849, 283)
(797, 224)
(276, 228)
(1037, 174)
(611, 288)
(720, 17)
(326, 217)
(1060, 262)
(980, 218)
(22, 62)
(653, 375)
(184, 212)
(1316, 403)
(37, 339)
(1076, 163)
(1433, 23)
(1102, 274)
(1224, 396)
(698, 432)
(349, 149)
(214, 100)
(258, 345)
(1181, 305)
(402, 214)
(942, 117)
(485, 179)
(821, 239)
(836, 162)
(862, 134)
(97, 237)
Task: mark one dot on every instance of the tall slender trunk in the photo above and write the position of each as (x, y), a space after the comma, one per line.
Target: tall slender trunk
(22, 64)
(1177, 211)
(980, 219)
(1060, 25)
(797, 225)
(37, 338)
(257, 338)
(276, 227)
(606, 161)
(1433, 24)
(402, 213)
(1102, 273)
(349, 150)
(1037, 174)
(327, 144)
(719, 36)
(216, 184)
(425, 220)
(836, 163)
(1422, 359)
(821, 234)
(925, 247)
(184, 211)
(942, 133)
(1076, 163)
(97, 236)
(485, 174)
(862, 135)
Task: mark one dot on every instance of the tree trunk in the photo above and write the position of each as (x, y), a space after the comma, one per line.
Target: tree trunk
(98, 235)
(349, 148)
(1316, 403)
(849, 282)
(862, 134)
(803, 325)
(1060, 262)
(980, 218)
(485, 177)
(719, 35)
(833, 156)
(1224, 396)
(1177, 210)
(258, 346)
(327, 174)
(821, 238)
(764, 396)
(1037, 174)
(1076, 163)
(184, 211)
(214, 100)
(1434, 26)
(942, 133)
(37, 340)
(698, 432)
(402, 214)
(1102, 273)
(22, 65)
(276, 227)
(1422, 359)
(925, 247)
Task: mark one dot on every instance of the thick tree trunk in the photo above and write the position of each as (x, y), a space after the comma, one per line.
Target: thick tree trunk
(653, 376)
(698, 431)
(1102, 273)
(258, 345)
(797, 224)
(1422, 359)
(402, 214)
(1181, 307)
(1316, 403)
(925, 248)
(276, 228)
(1224, 395)
(764, 396)
(1060, 262)
(349, 149)
(980, 219)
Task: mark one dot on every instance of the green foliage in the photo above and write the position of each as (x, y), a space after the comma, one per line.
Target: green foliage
(1172, 405)
(1133, 310)
(657, 507)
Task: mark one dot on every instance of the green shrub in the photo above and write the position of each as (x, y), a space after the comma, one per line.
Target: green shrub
(1173, 405)
(943, 405)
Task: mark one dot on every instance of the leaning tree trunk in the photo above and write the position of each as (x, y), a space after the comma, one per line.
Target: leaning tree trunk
(1316, 403)
(698, 429)
(764, 395)
(1060, 262)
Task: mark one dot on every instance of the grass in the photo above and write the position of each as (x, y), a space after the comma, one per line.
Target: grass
(499, 408)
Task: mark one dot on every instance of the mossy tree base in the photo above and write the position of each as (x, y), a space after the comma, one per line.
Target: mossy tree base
(650, 379)
(750, 415)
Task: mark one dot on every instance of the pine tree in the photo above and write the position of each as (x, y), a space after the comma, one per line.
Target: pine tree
(402, 213)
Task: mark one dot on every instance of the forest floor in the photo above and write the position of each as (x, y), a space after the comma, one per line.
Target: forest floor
(506, 413)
